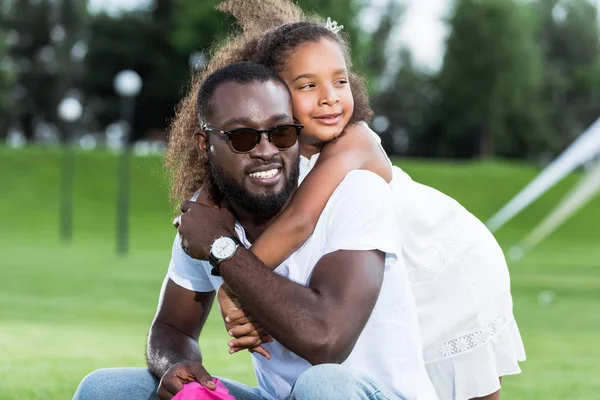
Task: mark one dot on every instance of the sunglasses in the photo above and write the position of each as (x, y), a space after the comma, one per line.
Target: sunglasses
(244, 140)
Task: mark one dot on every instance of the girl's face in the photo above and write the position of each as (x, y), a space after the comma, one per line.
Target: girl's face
(317, 76)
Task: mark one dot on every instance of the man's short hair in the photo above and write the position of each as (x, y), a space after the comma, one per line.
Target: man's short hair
(243, 72)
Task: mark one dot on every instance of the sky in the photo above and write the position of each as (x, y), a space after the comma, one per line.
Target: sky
(422, 29)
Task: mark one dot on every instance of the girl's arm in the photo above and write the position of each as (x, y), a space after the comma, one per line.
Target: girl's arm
(355, 149)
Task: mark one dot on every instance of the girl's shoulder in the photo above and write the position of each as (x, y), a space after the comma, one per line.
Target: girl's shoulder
(361, 144)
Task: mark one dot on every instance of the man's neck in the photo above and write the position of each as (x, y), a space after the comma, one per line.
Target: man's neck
(253, 226)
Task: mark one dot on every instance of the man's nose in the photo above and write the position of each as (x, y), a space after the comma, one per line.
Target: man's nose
(264, 150)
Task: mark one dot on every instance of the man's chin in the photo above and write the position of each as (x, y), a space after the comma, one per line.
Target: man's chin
(262, 190)
(257, 197)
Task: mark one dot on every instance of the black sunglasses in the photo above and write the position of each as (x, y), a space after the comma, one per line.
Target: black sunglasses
(244, 140)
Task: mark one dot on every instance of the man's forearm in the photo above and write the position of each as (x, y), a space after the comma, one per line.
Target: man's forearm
(297, 316)
(167, 346)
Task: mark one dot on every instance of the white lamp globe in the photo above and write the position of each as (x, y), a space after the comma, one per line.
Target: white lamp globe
(127, 83)
(70, 109)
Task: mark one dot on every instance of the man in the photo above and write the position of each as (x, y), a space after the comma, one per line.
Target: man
(339, 309)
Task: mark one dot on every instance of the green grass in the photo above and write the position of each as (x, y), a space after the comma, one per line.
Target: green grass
(67, 310)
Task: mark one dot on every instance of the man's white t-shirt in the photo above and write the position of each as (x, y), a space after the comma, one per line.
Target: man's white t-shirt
(359, 215)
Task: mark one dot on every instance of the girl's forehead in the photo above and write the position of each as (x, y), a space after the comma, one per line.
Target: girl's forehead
(315, 56)
(318, 46)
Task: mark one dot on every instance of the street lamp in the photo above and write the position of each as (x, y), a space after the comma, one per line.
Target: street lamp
(128, 85)
(69, 111)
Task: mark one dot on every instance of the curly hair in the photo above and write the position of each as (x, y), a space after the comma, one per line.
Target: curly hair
(269, 32)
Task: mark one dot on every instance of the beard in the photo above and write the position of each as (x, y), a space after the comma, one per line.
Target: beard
(264, 206)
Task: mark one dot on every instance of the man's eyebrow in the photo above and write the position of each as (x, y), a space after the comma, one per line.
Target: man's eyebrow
(280, 117)
(239, 121)
(336, 72)
(250, 122)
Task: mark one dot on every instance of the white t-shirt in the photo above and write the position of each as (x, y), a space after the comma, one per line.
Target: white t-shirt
(360, 215)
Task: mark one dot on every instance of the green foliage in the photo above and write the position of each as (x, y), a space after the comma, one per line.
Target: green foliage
(519, 78)
(30, 25)
(345, 12)
(196, 25)
(375, 55)
(43, 71)
(490, 79)
(176, 30)
(408, 102)
(569, 35)
(133, 41)
(7, 71)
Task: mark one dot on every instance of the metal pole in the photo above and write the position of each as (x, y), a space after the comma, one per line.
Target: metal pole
(66, 196)
(127, 111)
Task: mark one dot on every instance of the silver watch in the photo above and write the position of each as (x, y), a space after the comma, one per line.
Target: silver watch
(222, 249)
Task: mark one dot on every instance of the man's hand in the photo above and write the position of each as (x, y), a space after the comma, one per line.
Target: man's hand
(200, 225)
(247, 334)
(179, 374)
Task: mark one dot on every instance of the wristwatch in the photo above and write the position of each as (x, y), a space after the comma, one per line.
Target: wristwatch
(222, 249)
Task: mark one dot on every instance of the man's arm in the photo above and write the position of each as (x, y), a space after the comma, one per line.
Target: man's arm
(321, 322)
(174, 333)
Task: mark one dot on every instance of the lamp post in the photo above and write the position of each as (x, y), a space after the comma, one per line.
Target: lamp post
(69, 111)
(128, 85)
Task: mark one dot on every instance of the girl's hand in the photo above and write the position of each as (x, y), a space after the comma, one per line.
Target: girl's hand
(246, 333)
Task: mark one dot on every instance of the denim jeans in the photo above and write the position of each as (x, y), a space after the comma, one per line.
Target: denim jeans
(326, 381)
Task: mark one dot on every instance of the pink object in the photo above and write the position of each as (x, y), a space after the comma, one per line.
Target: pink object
(195, 391)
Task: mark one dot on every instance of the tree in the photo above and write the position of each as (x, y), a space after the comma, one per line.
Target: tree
(177, 30)
(490, 80)
(344, 12)
(376, 56)
(43, 33)
(569, 35)
(6, 78)
(196, 24)
(408, 102)
(134, 40)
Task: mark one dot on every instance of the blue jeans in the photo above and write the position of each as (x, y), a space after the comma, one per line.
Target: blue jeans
(326, 381)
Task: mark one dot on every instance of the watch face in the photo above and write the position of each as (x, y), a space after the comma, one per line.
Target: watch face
(223, 248)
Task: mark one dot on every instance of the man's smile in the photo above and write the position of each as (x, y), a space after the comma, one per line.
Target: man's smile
(268, 175)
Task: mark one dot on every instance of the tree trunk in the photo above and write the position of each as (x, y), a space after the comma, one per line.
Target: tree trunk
(27, 126)
(486, 143)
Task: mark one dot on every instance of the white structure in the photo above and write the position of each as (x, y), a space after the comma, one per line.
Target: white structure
(70, 109)
(582, 152)
(127, 83)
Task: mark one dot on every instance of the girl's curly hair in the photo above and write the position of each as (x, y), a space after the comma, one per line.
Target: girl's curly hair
(269, 31)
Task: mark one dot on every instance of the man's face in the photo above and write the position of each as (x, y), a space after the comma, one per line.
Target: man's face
(259, 105)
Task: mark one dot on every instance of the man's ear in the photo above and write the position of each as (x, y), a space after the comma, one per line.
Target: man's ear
(201, 140)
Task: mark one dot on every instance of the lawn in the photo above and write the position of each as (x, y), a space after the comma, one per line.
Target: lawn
(66, 310)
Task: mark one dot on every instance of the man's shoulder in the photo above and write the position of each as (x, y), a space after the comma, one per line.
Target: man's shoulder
(360, 215)
(361, 185)
(361, 196)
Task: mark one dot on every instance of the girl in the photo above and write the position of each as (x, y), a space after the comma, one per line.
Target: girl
(458, 273)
